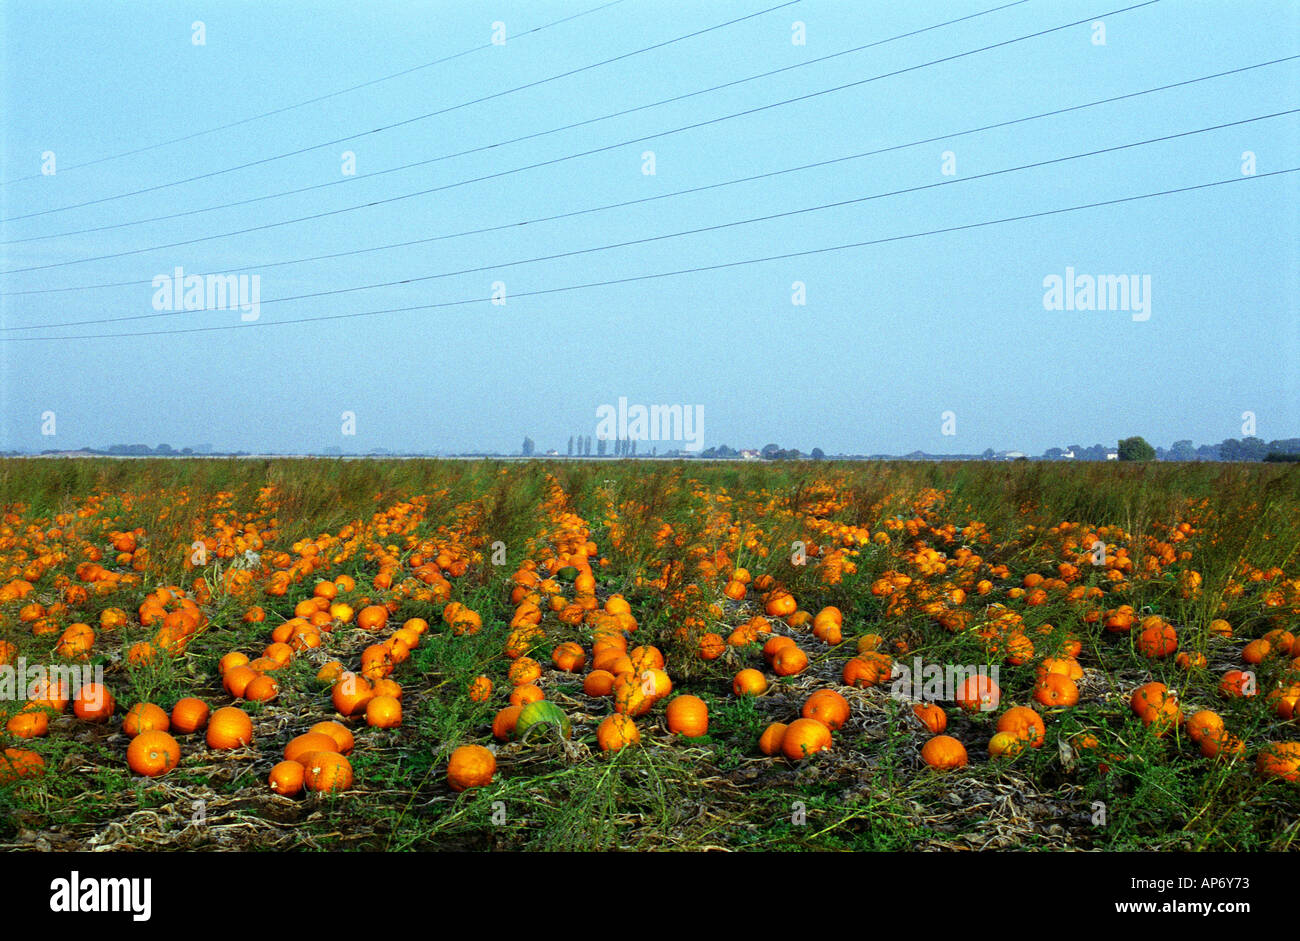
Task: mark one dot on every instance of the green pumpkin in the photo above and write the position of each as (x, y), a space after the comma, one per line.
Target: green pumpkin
(568, 573)
(540, 714)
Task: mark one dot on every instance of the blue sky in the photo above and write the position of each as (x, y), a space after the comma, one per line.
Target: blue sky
(892, 336)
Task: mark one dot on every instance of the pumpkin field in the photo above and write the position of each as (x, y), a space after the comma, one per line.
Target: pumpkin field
(591, 655)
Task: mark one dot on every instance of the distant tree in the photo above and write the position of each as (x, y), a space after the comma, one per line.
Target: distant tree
(1053, 454)
(1182, 450)
(988, 454)
(724, 451)
(528, 447)
(600, 448)
(818, 454)
(587, 448)
(1254, 448)
(770, 450)
(164, 449)
(570, 451)
(1136, 449)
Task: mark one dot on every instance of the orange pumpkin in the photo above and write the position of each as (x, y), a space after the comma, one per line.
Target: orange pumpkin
(804, 737)
(827, 707)
(1024, 723)
(152, 753)
(931, 716)
(229, 727)
(749, 682)
(687, 715)
(93, 702)
(1279, 760)
(769, 743)
(470, 766)
(944, 752)
(145, 717)
(616, 731)
(189, 715)
(978, 693)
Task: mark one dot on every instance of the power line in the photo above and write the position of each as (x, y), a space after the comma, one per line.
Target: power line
(694, 231)
(504, 143)
(316, 100)
(421, 117)
(675, 273)
(557, 160)
(690, 190)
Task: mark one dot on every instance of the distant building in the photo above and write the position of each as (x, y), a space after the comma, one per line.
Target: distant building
(749, 455)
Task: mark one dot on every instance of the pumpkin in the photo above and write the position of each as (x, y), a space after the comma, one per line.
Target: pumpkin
(1157, 641)
(789, 661)
(568, 657)
(504, 722)
(93, 702)
(471, 766)
(827, 707)
(539, 717)
(749, 682)
(189, 715)
(769, 743)
(1024, 723)
(1055, 690)
(325, 771)
(1203, 723)
(978, 693)
(867, 669)
(805, 737)
(152, 753)
(384, 712)
(286, 778)
(341, 734)
(229, 727)
(1279, 760)
(308, 742)
(616, 731)
(931, 716)
(944, 752)
(687, 715)
(145, 717)
(351, 693)
(1006, 745)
